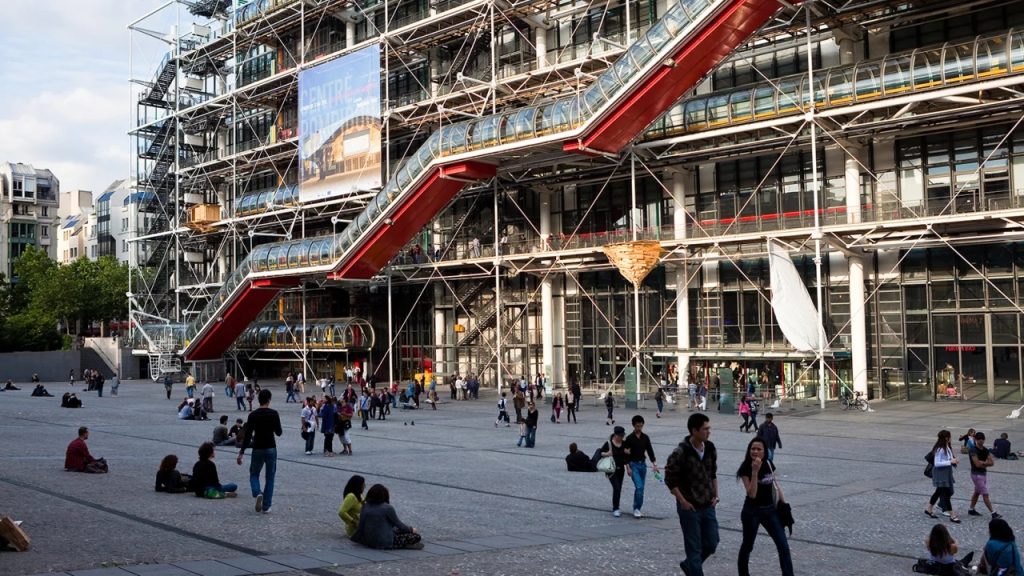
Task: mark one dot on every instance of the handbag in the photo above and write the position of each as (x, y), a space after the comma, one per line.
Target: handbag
(606, 465)
(930, 466)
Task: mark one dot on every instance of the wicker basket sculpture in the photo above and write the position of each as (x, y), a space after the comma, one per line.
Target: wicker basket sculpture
(635, 260)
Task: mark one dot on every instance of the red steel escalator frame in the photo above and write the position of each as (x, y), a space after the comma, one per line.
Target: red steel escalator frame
(691, 62)
(253, 299)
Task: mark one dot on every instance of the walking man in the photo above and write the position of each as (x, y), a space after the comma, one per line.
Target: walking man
(638, 448)
(239, 394)
(261, 427)
(190, 386)
(981, 461)
(502, 410)
(691, 475)
(769, 432)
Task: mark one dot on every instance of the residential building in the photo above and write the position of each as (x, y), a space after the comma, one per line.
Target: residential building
(28, 212)
(877, 143)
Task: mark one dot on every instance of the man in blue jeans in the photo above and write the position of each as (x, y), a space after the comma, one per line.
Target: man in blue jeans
(260, 429)
(691, 475)
(638, 446)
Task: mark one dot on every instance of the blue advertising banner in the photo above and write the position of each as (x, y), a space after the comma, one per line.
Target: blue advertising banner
(340, 126)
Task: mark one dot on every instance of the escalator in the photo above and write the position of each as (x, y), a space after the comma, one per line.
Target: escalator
(665, 63)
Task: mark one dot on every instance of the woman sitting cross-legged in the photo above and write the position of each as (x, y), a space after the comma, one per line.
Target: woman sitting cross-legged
(379, 526)
(352, 503)
(168, 479)
(205, 481)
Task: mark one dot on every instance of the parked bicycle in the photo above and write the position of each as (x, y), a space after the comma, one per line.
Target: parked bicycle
(853, 400)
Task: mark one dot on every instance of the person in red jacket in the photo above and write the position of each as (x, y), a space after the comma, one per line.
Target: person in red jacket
(78, 459)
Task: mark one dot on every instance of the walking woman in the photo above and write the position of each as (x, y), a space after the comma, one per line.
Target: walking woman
(614, 447)
(942, 477)
(609, 403)
(659, 399)
(745, 413)
(570, 406)
(757, 474)
(556, 407)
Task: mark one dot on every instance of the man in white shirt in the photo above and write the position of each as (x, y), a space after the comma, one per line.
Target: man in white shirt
(207, 396)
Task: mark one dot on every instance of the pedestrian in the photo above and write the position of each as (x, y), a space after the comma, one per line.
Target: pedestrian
(207, 397)
(1001, 554)
(532, 421)
(328, 420)
(99, 385)
(540, 383)
(502, 410)
(691, 475)
(609, 404)
(659, 399)
(519, 402)
(570, 406)
(167, 385)
(769, 432)
(289, 388)
(745, 413)
(115, 383)
(616, 448)
(577, 393)
(943, 462)
(71, 380)
(364, 408)
(757, 474)
(639, 448)
(309, 424)
(691, 390)
(342, 426)
(229, 386)
(981, 461)
(250, 393)
(556, 408)
(239, 395)
(190, 386)
(754, 406)
(263, 424)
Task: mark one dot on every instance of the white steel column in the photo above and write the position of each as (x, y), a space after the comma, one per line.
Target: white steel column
(540, 40)
(391, 334)
(350, 34)
(682, 180)
(547, 301)
(858, 323)
(439, 329)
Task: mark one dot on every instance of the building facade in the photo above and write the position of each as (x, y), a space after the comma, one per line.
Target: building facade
(878, 142)
(28, 212)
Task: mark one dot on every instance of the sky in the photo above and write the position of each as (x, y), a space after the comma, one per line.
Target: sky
(64, 90)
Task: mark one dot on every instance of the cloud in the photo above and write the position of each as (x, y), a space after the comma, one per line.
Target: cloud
(65, 103)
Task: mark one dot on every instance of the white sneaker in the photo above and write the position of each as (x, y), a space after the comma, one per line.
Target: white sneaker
(309, 453)
(637, 513)
(616, 513)
(259, 502)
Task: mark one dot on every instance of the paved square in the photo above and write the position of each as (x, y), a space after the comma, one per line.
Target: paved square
(483, 505)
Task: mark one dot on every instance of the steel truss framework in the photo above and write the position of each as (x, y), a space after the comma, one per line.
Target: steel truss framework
(454, 93)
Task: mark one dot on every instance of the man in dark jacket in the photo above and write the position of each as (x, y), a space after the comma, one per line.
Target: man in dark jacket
(691, 475)
(769, 432)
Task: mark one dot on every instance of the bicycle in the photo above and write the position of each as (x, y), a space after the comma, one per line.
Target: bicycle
(857, 401)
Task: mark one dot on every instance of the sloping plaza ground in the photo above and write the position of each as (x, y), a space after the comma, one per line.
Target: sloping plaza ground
(485, 507)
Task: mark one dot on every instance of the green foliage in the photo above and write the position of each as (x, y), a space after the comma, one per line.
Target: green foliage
(48, 294)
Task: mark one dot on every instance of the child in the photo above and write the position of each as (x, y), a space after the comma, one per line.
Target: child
(502, 410)
(345, 424)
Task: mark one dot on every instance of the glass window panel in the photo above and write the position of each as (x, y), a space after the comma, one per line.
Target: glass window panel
(945, 330)
(915, 297)
(957, 63)
(972, 294)
(927, 72)
(868, 81)
(896, 75)
(972, 329)
(1004, 329)
(943, 296)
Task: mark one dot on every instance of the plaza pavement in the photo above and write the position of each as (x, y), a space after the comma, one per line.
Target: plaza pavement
(485, 507)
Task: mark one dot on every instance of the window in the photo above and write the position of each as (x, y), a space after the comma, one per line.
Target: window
(21, 209)
(124, 246)
(46, 211)
(124, 224)
(44, 231)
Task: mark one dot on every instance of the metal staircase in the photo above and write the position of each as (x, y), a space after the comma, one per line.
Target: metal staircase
(573, 332)
(483, 319)
(157, 93)
(467, 292)
(210, 8)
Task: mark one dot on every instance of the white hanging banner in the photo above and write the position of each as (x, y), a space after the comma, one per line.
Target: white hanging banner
(792, 304)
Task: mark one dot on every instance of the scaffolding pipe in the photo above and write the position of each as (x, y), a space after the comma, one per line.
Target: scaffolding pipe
(817, 217)
(636, 285)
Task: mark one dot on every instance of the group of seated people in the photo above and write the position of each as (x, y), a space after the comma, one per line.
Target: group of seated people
(9, 386)
(372, 521)
(999, 556)
(222, 436)
(204, 481)
(189, 409)
(70, 400)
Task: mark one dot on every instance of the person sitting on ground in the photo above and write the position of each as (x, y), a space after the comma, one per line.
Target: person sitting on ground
(237, 433)
(1001, 551)
(407, 404)
(78, 459)
(40, 391)
(69, 400)
(205, 481)
(379, 526)
(185, 410)
(221, 436)
(577, 461)
(1001, 448)
(35, 378)
(168, 479)
(352, 503)
(942, 548)
(10, 386)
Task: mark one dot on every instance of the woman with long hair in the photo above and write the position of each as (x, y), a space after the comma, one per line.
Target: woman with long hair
(379, 526)
(1001, 551)
(615, 448)
(168, 479)
(942, 548)
(352, 503)
(757, 474)
(942, 476)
